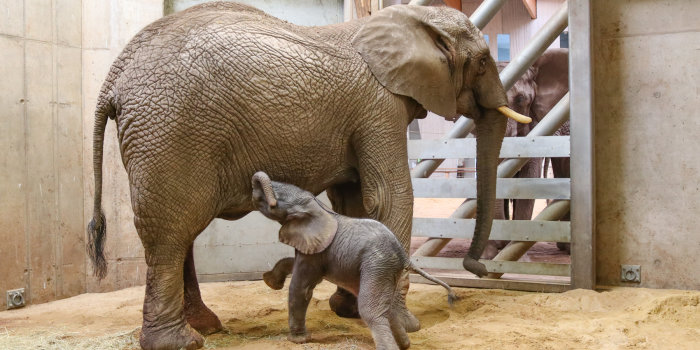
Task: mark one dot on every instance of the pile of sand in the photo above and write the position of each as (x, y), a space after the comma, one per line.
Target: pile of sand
(256, 318)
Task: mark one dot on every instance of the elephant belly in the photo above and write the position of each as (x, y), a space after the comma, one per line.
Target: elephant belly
(352, 285)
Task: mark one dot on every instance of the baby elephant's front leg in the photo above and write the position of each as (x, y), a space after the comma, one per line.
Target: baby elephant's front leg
(275, 278)
(301, 289)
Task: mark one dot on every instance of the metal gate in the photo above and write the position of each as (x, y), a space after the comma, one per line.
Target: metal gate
(573, 195)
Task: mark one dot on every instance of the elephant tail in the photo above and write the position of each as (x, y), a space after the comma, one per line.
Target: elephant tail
(97, 227)
(451, 296)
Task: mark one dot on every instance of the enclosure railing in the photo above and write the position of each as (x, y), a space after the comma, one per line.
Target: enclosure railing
(538, 143)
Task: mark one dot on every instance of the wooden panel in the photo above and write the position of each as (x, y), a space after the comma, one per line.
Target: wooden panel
(506, 188)
(512, 230)
(13, 186)
(540, 286)
(513, 147)
(525, 268)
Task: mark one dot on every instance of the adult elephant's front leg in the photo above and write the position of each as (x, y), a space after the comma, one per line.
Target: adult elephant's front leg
(384, 193)
(198, 315)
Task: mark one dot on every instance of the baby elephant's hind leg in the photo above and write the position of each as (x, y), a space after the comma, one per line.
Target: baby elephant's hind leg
(275, 278)
(374, 303)
(399, 309)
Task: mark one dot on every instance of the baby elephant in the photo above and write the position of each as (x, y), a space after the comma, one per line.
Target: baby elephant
(359, 255)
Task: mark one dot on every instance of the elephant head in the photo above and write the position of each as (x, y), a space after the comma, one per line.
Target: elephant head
(306, 224)
(437, 57)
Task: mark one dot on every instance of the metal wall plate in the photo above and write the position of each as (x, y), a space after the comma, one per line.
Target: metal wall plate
(15, 298)
(631, 273)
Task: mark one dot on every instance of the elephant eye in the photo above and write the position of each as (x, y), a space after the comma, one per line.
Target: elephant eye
(482, 66)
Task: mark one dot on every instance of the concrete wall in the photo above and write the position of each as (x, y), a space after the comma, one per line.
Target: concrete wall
(647, 95)
(41, 176)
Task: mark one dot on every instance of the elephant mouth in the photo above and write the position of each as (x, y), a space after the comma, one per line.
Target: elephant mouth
(514, 115)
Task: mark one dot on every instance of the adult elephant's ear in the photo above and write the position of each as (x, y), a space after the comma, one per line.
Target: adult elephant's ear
(410, 56)
(310, 229)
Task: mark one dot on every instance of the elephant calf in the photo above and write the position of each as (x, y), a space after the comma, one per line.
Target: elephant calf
(359, 255)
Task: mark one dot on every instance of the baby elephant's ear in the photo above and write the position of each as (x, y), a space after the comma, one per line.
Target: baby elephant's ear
(310, 231)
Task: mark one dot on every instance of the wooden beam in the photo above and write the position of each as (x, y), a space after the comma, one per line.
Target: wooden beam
(531, 6)
(455, 4)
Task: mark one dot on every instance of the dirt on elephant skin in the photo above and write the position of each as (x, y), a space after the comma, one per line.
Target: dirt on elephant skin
(256, 318)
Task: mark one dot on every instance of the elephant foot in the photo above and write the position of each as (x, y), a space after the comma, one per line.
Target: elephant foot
(344, 304)
(173, 338)
(298, 338)
(410, 323)
(275, 278)
(474, 266)
(273, 281)
(203, 319)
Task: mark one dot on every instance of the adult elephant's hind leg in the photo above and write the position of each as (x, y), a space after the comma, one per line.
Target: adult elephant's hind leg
(164, 325)
(198, 315)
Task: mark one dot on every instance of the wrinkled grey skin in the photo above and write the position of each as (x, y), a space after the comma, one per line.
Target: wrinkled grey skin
(205, 97)
(534, 94)
(363, 257)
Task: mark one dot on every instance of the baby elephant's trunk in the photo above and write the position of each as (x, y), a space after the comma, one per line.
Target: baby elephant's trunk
(451, 296)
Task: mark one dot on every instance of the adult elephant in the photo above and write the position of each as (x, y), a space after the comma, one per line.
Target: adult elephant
(206, 97)
(534, 94)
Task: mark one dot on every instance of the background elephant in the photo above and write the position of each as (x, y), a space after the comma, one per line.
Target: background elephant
(208, 96)
(534, 94)
(359, 254)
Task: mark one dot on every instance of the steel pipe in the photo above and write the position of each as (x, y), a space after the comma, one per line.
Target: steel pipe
(485, 12)
(420, 2)
(516, 249)
(546, 127)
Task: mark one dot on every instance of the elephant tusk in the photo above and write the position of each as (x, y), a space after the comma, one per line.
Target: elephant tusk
(514, 115)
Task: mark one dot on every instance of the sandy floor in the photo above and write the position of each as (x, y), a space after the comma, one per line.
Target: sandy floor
(256, 318)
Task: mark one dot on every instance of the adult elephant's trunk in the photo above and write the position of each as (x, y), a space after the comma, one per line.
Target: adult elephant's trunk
(490, 130)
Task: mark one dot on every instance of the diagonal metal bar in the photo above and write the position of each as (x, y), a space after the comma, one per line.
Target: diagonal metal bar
(420, 2)
(539, 43)
(515, 249)
(547, 126)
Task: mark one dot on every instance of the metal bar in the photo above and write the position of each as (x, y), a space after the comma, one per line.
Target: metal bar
(523, 188)
(463, 126)
(516, 249)
(550, 285)
(513, 147)
(485, 12)
(583, 267)
(524, 268)
(509, 75)
(420, 2)
(547, 126)
(517, 230)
